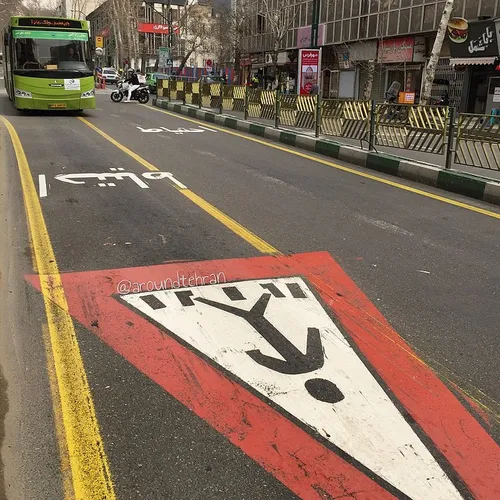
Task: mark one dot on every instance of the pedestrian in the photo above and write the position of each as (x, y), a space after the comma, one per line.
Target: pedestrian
(314, 89)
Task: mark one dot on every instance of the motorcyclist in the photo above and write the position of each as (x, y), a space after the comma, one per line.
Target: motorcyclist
(133, 82)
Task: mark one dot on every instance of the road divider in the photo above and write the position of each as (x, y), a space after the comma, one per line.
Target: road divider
(449, 180)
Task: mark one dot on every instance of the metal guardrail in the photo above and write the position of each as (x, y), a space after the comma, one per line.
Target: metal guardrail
(345, 118)
(298, 110)
(478, 141)
(420, 128)
(429, 129)
(233, 98)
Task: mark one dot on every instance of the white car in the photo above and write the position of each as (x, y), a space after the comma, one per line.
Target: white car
(110, 75)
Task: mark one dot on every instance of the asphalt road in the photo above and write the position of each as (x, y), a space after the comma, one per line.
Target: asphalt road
(431, 269)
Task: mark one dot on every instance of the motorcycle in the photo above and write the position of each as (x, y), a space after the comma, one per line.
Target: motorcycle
(141, 94)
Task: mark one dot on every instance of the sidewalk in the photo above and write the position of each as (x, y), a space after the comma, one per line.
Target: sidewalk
(464, 183)
(432, 159)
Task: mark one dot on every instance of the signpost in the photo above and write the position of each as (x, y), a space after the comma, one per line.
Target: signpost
(164, 58)
(99, 42)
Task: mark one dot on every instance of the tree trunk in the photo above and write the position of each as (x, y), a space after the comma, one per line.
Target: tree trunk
(367, 91)
(237, 65)
(187, 55)
(436, 51)
(117, 27)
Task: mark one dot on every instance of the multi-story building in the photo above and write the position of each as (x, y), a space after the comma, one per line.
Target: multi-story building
(153, 32)
(396, 36)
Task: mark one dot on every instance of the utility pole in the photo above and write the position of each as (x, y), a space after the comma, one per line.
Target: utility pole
(316, 9)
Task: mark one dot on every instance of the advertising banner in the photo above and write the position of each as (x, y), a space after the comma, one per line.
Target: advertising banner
(309, 69)
(472, 39)
(156, 28)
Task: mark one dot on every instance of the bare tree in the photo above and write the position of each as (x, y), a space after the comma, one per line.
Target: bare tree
(196, 25)
(8, 8)
(436, 52)
(279, 21)
(33, 8)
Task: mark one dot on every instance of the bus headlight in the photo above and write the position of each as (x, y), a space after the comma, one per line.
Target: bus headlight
(23, 93)
(90, 93)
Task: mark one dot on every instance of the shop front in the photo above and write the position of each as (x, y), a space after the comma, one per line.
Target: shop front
(474, 48)
(403, 61)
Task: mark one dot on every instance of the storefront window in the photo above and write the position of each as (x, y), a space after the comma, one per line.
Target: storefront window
(393, 22)
(354, 28)
(338, 31)
(355, 8)
(394, 4)
(405, 3)
(487, 8)
(324, 10)
(458, 8)
(416, 19)
(345, 31)
(372, 29)
(429, 13)
(363, 25)
(471, 8)
(329, 33)
(373, 4)
(404, 21)
(417, 2)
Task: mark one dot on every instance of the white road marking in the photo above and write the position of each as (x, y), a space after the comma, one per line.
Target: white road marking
(42, 183)
(330, 389)
(208, 129)
(163, 175)
(384, 225)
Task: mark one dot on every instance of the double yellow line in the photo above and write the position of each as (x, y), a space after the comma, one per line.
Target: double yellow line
(83, 448)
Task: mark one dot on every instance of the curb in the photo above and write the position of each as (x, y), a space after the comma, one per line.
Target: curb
(453, 181)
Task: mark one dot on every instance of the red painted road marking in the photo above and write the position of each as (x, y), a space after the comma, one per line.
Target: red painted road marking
(260, 431)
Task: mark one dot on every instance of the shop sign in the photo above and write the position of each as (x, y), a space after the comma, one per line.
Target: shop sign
(396, 50)
(472, 39)
(309, 68)
(304, 36)
(156, 28)
(419, 49)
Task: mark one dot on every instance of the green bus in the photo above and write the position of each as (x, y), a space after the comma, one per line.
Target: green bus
(47, 64)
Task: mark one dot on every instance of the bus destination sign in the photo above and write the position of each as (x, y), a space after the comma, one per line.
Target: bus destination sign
(39, 22)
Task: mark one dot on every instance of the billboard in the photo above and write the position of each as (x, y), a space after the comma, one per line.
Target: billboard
(309, 69)
(156, 28)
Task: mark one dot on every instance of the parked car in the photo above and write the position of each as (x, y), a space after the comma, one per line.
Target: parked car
(212, 79)
(110, 75)
(151, 79)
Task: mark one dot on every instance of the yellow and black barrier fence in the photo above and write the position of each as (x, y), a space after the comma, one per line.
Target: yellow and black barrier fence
(415, 127)
(478, 141)
(429, 129)
(162, 87)
(298, 110)
(344, 118)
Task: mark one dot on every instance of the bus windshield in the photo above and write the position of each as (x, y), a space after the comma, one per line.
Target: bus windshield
(50, 54)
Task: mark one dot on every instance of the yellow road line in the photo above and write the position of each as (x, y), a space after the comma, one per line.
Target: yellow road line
(359, 173)
(89, 464)
(67, 478)
(210, 209)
